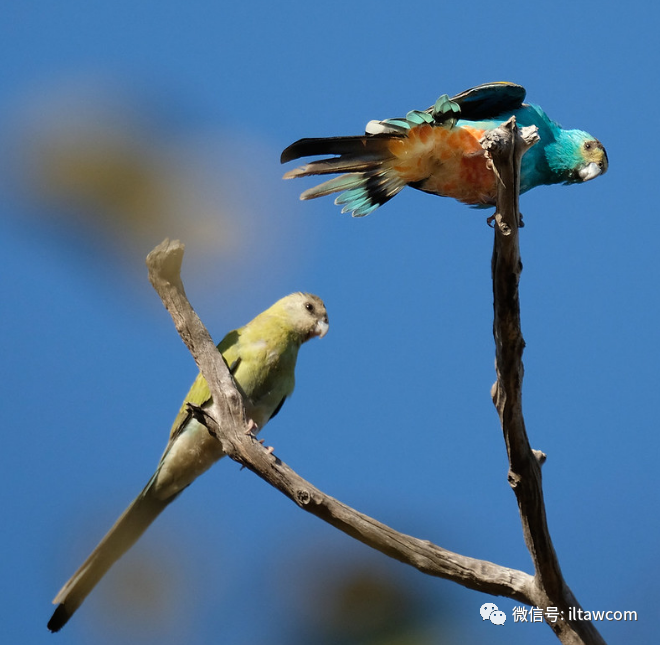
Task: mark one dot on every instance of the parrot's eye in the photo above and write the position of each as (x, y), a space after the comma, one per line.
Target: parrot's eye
(310, 307)
(587, 146)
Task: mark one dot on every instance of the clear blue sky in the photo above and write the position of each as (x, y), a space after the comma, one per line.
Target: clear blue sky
(392, 412)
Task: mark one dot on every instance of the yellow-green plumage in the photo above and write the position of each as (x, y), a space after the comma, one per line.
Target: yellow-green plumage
(262, 357)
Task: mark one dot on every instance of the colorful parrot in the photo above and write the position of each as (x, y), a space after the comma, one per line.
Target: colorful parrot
(262, 358)
(437, 151)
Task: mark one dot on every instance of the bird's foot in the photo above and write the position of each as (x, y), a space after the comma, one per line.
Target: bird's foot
(494, 218)
(269, 449)
(252, 428)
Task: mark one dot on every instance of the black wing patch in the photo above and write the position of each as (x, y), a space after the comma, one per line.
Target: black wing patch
(489, 100)
(278, 408)
(234, 366)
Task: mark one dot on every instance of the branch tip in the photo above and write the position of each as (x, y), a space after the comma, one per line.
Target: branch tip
(166, 259)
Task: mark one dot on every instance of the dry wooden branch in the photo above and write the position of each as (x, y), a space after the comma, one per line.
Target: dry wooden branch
(227, 421)
(506, 146)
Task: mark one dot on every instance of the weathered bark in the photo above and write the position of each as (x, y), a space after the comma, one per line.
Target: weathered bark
(226, 419)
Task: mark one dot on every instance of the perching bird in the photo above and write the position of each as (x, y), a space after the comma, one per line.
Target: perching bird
(262, 358)
(437, 151)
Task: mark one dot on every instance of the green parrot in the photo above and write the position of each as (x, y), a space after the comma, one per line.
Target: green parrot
(262, 359)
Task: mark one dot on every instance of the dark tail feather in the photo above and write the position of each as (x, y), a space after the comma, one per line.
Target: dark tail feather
(346, 163)
(122, 536)
(355, 146)
(367, 180)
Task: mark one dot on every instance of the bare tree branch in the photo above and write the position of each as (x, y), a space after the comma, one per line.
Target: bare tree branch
(506, 146)
(226, 419)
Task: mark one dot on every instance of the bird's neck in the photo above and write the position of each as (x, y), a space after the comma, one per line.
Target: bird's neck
(563, 155)
(279, 330)
(552, 162)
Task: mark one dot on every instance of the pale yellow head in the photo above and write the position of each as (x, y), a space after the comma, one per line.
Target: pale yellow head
(305, 314)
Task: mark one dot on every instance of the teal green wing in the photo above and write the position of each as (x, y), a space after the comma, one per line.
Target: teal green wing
(478, 103)
(489, 100)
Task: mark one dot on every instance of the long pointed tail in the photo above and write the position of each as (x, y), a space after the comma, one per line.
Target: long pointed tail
(367, 177)
(122, 536)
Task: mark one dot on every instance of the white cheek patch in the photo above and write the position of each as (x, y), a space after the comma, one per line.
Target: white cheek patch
(590, 171)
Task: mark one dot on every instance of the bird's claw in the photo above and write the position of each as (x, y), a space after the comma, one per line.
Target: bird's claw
(269, 449)
(252, 428)
(493, 218)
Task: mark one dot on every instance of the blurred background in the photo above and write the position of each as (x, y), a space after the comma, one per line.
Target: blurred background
(123, 123)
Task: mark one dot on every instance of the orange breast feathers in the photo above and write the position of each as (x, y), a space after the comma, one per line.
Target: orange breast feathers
(443, 161)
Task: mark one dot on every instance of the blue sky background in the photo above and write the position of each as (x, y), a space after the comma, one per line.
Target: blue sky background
(193, 103)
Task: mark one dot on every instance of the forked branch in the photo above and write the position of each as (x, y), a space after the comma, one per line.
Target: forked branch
(226, 420)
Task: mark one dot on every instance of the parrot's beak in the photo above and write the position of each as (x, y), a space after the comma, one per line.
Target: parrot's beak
(321, 328)
(590, 171)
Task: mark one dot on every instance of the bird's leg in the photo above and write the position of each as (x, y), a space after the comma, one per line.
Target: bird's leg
(492, 218)
(252, 430)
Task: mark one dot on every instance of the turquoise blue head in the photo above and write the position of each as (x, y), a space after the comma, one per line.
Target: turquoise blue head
(576, 156)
